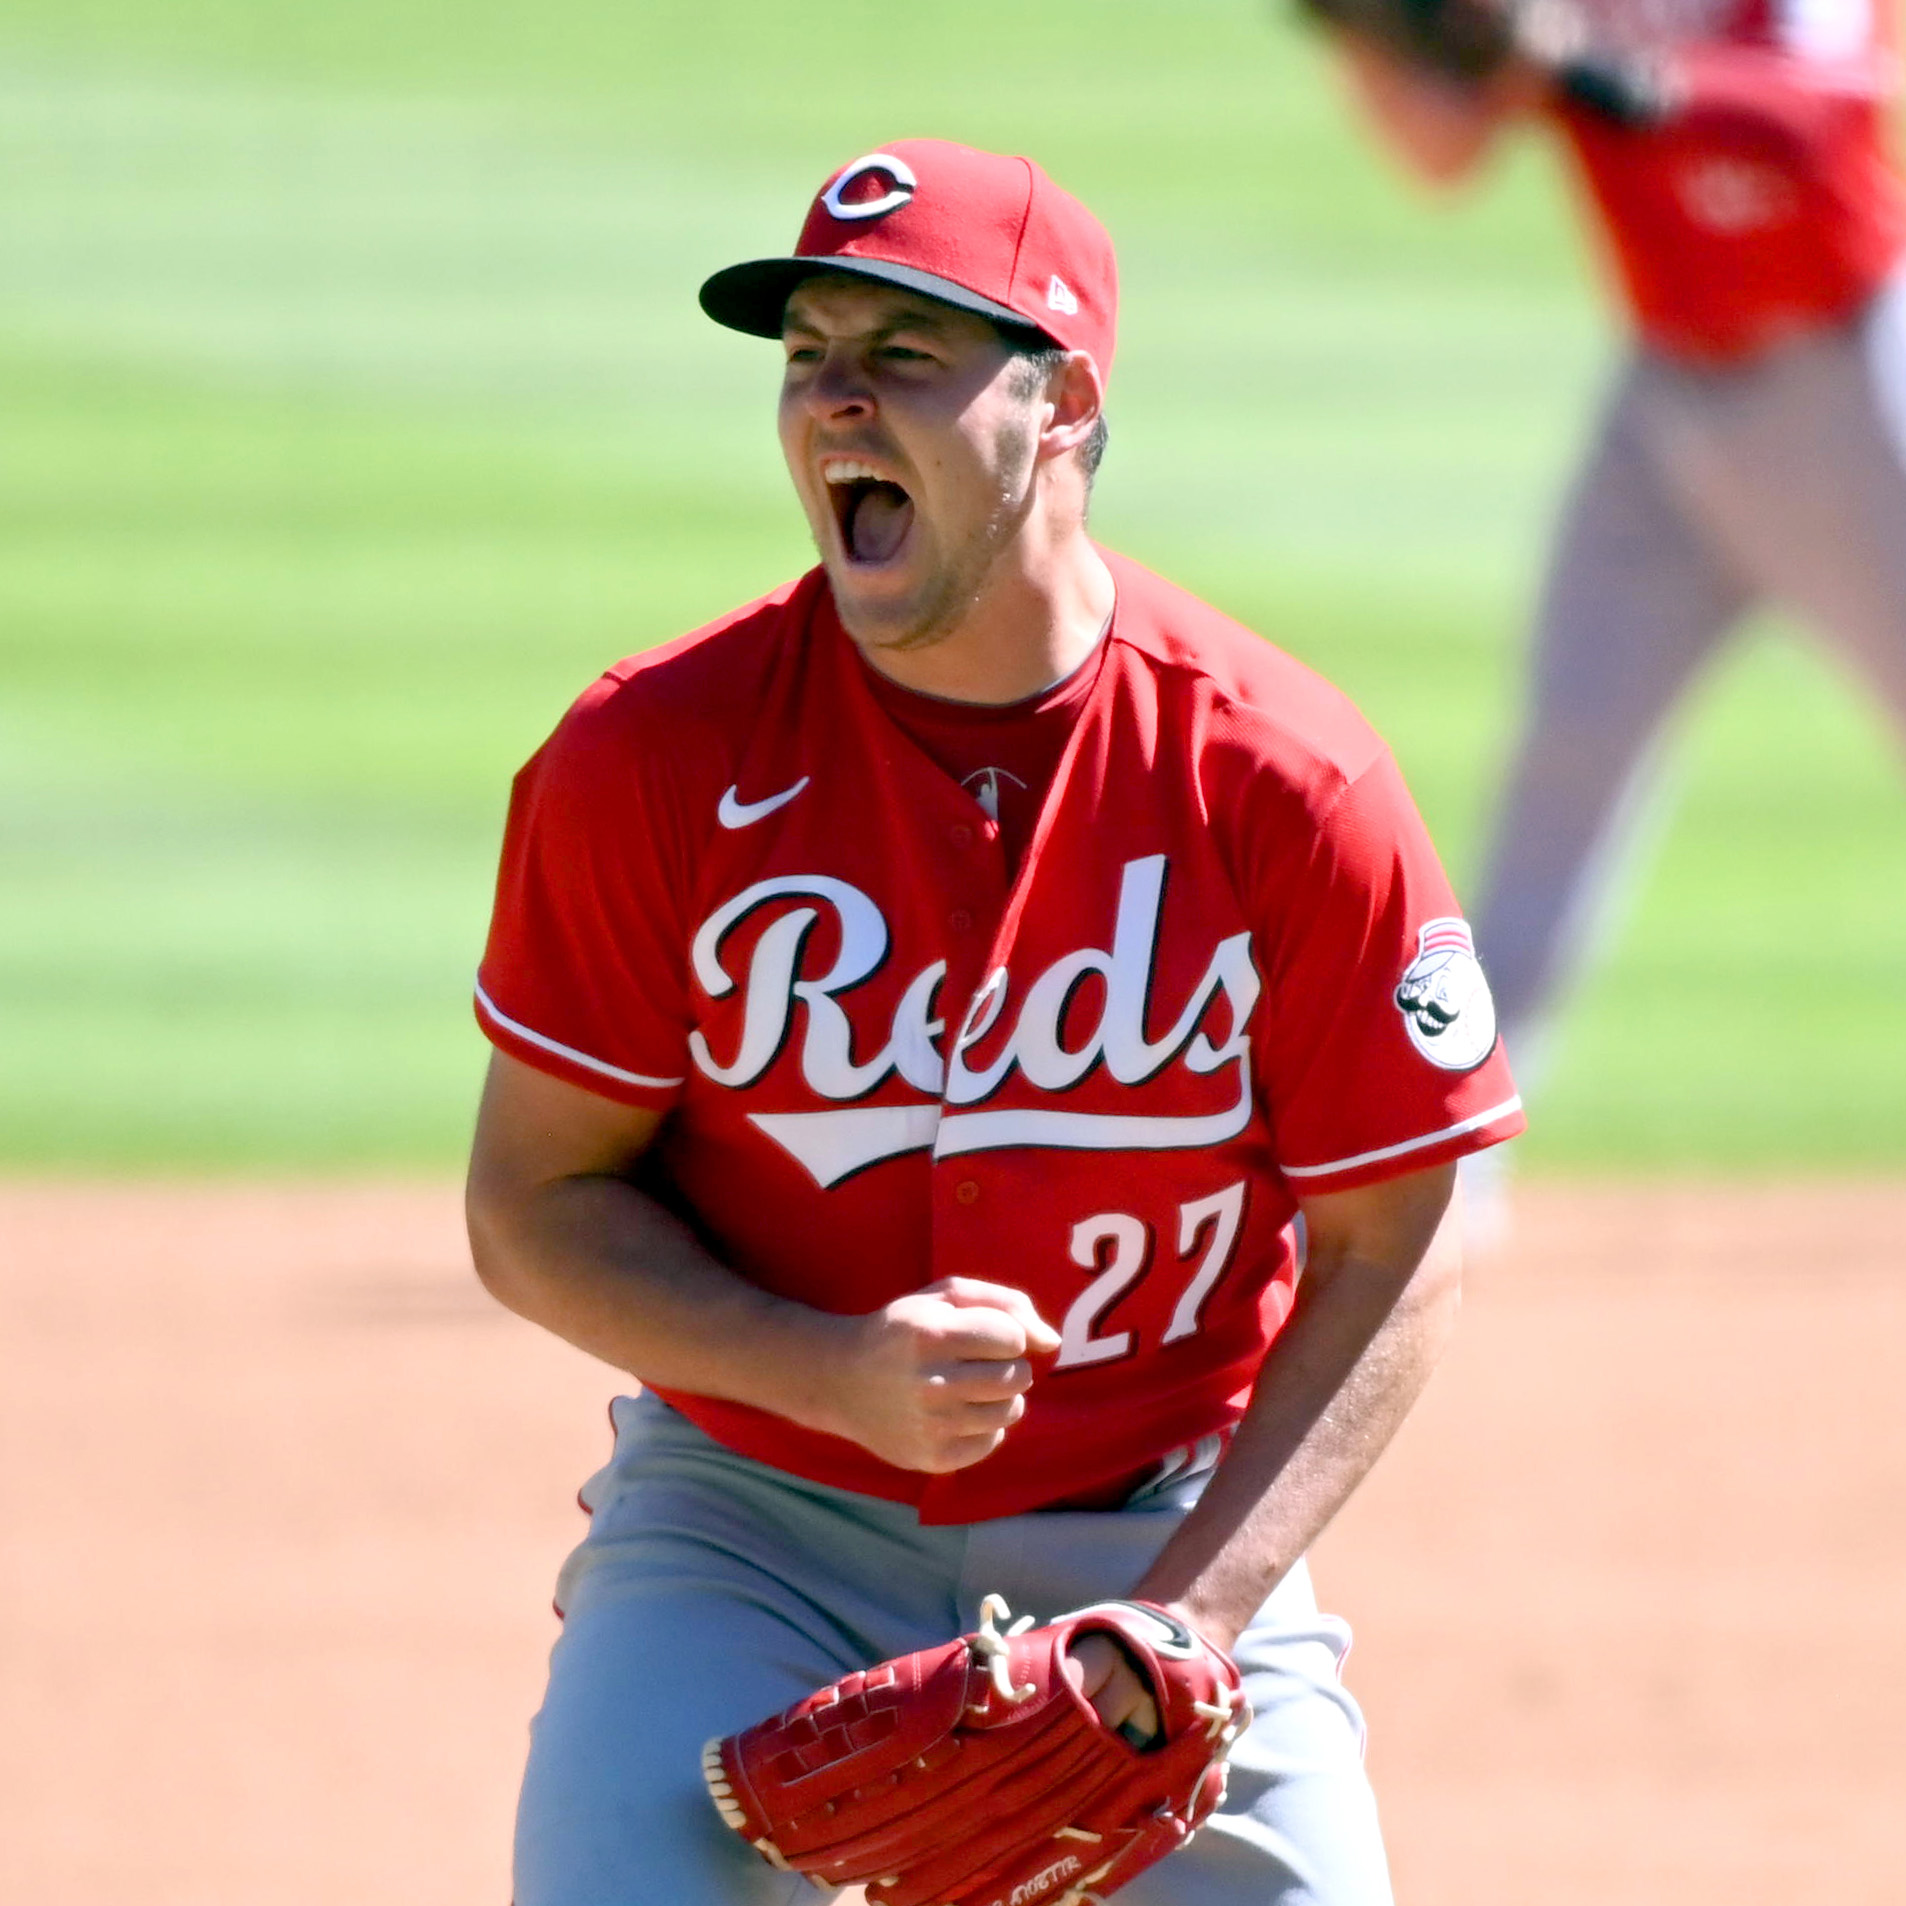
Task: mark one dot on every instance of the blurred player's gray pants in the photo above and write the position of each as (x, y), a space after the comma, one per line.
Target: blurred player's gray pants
(713, 1590)
(1781, 481)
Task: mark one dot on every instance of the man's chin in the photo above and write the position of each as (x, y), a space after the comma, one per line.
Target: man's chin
(879, 615)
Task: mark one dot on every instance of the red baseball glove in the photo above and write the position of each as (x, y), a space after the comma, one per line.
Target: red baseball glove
(976, 1774)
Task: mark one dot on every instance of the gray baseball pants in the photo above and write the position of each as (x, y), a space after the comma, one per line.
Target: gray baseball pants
(713, 1590)
(1710, 492)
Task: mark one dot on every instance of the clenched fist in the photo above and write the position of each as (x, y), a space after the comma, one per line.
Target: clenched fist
(935, 1379)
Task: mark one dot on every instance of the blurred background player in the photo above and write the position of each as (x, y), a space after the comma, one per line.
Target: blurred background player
(1753, 448)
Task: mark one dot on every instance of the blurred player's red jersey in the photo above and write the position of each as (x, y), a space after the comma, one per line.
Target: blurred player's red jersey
(1228, 969)
(1770, 203)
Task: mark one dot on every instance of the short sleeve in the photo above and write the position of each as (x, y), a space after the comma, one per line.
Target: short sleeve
(584, 973)
(1381, 1054)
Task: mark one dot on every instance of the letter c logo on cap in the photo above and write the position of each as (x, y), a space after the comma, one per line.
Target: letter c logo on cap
(904, 187)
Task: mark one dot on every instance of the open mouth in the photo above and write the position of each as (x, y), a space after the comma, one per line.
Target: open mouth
(874, 513)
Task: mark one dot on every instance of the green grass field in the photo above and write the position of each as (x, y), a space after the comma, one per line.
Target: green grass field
(355, 409)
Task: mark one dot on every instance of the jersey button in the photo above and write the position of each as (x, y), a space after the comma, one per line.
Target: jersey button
(966, 1191)
(960, 834)
(960, 920)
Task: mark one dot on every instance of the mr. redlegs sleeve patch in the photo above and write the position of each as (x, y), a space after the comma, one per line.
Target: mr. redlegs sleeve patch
(1444, 999)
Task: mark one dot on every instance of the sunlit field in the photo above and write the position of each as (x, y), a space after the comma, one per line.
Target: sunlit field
(355, 409)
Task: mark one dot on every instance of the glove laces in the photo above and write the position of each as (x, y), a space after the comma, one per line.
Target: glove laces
(990, 1645)
(1224, 1723)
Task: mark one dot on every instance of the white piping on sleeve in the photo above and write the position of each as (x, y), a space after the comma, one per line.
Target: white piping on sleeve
(489, 1009)
(1409, 1144)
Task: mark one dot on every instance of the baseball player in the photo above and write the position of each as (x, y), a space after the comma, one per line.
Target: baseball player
(929, 1005)
(1754, 447)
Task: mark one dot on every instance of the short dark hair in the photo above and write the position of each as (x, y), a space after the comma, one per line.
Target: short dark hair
(1038, 357)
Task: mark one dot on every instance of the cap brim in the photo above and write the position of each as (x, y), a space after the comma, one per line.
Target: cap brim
(753, 297)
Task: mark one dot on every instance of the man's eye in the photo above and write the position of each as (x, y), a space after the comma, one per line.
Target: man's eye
(904, 354)
(803, 353)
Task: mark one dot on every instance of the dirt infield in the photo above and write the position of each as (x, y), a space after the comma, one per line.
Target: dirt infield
(284, 1494)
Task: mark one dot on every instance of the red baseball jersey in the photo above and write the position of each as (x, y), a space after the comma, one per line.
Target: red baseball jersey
(1228, 971)
(1769, 204)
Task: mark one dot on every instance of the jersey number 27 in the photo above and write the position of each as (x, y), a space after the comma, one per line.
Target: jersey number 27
(1118, 1246)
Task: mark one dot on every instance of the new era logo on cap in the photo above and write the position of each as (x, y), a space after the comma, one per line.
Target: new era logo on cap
(976, 229)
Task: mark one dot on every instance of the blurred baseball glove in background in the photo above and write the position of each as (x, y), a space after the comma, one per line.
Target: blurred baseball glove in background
(1464, 40)
(1469, 42)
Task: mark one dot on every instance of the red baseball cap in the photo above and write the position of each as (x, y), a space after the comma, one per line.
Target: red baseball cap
(974, 229)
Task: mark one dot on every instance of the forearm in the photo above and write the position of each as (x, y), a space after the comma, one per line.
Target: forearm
(561, 1233)
(607, 1268)
(1343, 1373)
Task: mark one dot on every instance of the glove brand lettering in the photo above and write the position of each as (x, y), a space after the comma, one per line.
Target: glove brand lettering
(834, 1144)
(1042, 1883)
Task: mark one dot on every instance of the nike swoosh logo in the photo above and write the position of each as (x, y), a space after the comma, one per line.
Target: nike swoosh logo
(735, 812)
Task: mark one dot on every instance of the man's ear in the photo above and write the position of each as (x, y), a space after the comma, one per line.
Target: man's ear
(1077, 396)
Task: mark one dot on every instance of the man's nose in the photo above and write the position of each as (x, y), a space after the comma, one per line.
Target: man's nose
(840, 388)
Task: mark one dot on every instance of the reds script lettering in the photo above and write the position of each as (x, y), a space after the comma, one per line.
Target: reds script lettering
(831, 1145)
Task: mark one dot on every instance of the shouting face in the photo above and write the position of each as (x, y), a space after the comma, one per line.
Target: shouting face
(911, 432)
